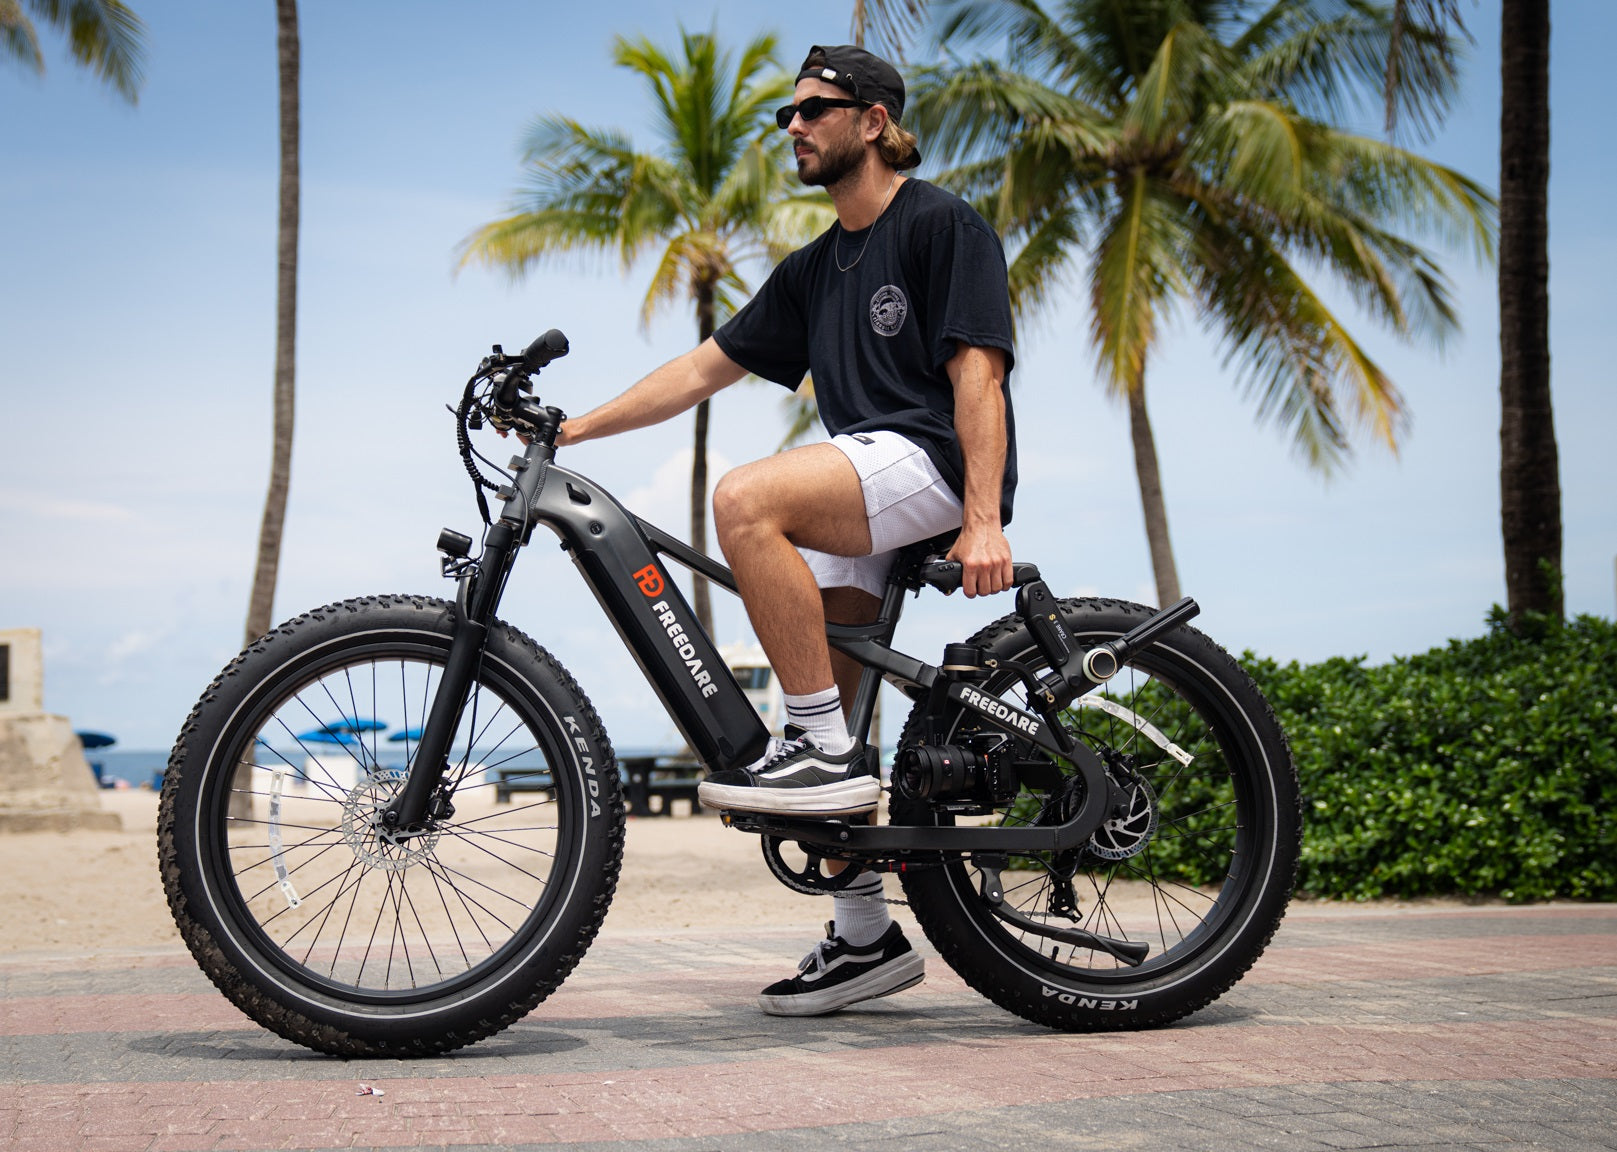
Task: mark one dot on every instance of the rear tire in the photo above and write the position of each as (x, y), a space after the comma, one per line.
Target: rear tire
(1205, 883)
(317, 926)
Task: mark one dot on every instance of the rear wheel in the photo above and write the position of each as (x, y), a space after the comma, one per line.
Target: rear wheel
(301, 905)
(1197, 863)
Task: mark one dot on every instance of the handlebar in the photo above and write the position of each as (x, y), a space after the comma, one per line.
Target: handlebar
(507, 400)
(495, 392)
(551, 346)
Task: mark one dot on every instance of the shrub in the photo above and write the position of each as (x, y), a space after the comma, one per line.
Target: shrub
(1485, 767)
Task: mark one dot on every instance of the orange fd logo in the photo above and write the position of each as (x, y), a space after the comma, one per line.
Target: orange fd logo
(650, 580)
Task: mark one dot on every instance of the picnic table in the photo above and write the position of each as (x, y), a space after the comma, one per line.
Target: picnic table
(652, 780)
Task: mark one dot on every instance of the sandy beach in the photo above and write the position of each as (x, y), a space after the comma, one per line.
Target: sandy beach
(87, 891)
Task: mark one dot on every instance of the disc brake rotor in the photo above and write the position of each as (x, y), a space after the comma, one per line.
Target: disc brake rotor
(372, 842)
(1126, 835)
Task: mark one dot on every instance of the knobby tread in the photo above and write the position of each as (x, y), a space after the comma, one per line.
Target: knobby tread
(324, 1037)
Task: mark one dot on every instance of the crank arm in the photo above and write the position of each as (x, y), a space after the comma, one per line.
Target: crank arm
(1130, 952)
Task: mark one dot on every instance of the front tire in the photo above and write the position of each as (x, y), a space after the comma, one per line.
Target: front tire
(1199, 867)
(315, 923)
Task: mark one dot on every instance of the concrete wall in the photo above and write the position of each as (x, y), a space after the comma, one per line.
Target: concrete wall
(25, 672)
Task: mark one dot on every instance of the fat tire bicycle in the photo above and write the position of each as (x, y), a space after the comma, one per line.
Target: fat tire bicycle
(1093, 812)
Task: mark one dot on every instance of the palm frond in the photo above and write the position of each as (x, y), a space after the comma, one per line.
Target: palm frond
(102, 35)
(1290, 350)
(1136, 270)
(1022, 29)
(1383, 181)
(1164, 99)
(1421, 57)
(962, 111)
(1256, 147)
(755, 178)
(17, 37)
(1336, 59)
(791, 221)
(886, 26)
(518, 242)
(1045, 254)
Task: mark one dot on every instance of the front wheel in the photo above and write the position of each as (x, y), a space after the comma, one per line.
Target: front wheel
(308, 912)
(1197, 861)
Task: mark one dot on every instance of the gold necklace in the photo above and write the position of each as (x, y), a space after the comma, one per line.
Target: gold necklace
(871, 231)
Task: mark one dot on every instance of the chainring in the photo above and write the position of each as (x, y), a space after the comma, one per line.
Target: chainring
(810, 880)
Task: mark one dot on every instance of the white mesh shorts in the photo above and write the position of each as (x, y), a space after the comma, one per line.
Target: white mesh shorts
(905, 499)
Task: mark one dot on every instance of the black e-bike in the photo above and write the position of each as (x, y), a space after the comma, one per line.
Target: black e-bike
(1093, 812)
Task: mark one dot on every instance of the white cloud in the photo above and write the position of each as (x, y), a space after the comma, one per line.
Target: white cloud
(41, 506)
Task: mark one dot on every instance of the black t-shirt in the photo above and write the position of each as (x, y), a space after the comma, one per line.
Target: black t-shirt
(878, 335)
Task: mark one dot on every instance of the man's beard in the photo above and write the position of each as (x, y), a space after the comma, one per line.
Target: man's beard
(838, 160)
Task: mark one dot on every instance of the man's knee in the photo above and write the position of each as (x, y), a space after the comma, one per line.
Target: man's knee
(736, 501)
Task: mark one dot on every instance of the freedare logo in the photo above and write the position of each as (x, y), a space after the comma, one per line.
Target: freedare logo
(989, 706)
(650, 581)
(682, 644)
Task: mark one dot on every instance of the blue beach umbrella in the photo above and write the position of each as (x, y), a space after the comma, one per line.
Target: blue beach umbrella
(326, 736)
(411, 734)
(96, 739)
(355, 726)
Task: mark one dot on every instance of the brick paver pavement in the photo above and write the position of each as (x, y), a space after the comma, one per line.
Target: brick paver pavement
(1482, 1028)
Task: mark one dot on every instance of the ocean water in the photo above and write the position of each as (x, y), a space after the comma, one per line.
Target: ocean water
(142, 768)
(133, 768)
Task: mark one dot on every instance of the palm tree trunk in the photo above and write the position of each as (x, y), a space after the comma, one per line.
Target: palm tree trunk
(1156, 511)
(700, 592)
(1529, 469)
(261, 604)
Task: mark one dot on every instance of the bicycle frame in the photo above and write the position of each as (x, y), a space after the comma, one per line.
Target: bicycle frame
(618, 556)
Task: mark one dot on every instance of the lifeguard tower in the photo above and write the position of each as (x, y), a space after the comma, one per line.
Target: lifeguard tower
(45, 782)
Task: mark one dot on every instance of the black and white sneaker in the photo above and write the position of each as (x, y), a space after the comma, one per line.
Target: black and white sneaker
(837, 974)
(796, 778)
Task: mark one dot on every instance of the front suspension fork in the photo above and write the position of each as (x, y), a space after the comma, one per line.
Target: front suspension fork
(410, 806)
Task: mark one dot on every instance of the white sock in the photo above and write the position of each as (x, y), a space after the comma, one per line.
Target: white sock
(861, 922)
(820, 715)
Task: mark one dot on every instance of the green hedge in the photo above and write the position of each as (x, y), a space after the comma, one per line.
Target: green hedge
(1488, 767)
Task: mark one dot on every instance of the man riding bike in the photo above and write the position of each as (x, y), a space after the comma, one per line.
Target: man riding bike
(901, 312)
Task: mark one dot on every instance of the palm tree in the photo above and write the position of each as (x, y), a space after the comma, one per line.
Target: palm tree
(714, 196)
(1529, 467)
(260, 604)
(887, 24)
(1188, 148)
(102, 35)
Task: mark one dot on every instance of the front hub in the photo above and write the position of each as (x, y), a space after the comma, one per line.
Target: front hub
(365, 831)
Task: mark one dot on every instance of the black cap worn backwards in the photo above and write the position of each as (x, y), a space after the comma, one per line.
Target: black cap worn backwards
(862, 75)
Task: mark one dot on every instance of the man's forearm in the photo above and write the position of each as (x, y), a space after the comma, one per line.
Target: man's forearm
(678, 385)
(979, 416)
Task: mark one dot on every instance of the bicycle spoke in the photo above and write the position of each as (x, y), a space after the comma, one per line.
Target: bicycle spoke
(382, 912)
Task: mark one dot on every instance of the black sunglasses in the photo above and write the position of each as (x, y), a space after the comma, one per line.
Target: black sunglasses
(812, 109)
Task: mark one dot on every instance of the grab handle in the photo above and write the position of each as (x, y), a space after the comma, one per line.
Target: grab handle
(1102, 662)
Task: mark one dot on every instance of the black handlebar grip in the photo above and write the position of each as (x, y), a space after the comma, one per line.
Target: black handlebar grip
(551, 346)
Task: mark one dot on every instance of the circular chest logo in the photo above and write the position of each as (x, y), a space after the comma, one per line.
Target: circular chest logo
(887, 310)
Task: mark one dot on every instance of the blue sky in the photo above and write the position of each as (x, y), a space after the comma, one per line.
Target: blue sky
(136, 346)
